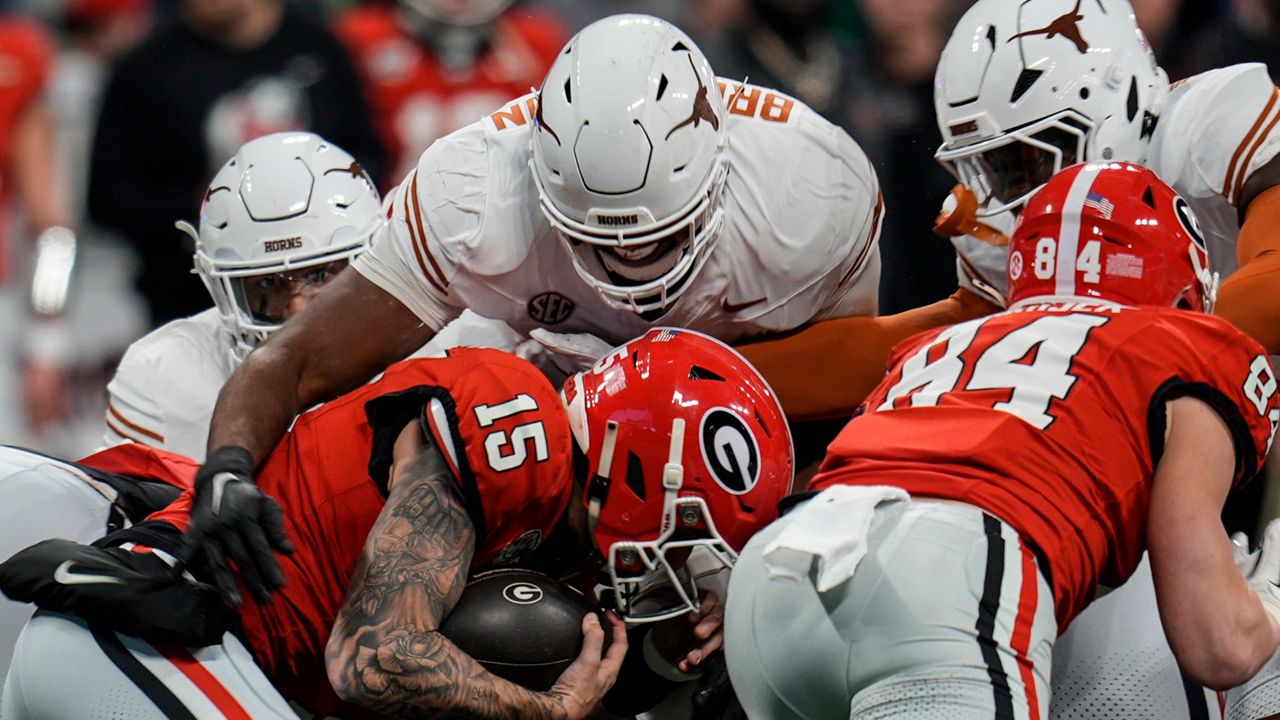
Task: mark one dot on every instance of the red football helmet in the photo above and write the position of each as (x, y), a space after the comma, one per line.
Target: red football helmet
(1113, 231)
(686, 447)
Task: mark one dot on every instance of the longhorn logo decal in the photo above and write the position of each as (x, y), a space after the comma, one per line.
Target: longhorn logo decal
(702, 109)
(1067, 25)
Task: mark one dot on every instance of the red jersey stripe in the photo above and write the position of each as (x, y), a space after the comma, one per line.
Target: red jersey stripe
(204, 680)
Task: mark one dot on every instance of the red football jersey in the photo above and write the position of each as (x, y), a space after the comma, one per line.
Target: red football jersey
(26, 55)
(1051, 417)
(502, 428)
(143, 461)
(416, 100)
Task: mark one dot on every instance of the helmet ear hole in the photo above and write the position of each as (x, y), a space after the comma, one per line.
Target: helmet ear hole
(760, 421)
(1149, 198)
(635, 476)
(1026, 79)
(698, 372)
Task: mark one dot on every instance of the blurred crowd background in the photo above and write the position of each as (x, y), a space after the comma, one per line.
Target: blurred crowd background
(114, 114)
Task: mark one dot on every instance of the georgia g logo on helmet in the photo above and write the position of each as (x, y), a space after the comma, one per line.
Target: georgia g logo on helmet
(729, 450)
(1189, 222)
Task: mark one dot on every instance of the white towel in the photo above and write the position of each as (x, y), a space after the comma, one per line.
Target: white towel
(831, 527)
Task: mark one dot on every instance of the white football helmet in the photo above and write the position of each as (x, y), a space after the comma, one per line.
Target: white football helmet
(1025, 88)
(288, 211)
(628, 158)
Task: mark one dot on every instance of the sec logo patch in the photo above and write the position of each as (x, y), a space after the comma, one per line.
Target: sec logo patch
(550, 308)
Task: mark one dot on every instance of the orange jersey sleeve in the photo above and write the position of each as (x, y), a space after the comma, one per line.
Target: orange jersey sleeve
(827, 369)
(1250, 298)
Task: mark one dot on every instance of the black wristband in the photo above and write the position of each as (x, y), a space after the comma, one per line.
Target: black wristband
(228, 458)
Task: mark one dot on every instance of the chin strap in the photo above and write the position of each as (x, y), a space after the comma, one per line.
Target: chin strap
(959, 216)
(599, 487)
(672, 473)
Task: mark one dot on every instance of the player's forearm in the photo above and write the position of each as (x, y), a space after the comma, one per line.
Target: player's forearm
(1217, 627)
(385, 652)
(257, 404)
(346, 335)
(827, 369)
(412, 673)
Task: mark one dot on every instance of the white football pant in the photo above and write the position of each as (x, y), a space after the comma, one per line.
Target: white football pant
(63, 670)
(1114, 663)
(41, 498)
(947, 617)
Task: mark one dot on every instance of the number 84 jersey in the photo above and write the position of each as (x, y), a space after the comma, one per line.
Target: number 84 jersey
(1051, 416)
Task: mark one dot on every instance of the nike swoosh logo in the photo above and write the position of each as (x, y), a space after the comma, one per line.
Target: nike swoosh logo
(64, 576)
(219, 482)
(737, 307)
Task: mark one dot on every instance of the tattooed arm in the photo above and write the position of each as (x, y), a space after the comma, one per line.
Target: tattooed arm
(385, 651)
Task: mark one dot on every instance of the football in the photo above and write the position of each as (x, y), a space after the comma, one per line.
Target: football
(520, 625)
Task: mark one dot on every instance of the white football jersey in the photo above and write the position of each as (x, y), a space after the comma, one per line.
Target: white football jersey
(168, 382)
(165, 388)
(802, 218)
(1215, 129)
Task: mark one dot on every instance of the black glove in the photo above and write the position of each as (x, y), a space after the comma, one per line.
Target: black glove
(132, 592)
(231, 519)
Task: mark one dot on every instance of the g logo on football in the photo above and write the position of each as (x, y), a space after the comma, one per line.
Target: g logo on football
(522, 593)
(729, 450)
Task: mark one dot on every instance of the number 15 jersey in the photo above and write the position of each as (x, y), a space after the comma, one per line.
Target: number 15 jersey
(1051, 416)
(505, 435)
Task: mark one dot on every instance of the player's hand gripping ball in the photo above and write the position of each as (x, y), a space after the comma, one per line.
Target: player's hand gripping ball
(520, 625)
